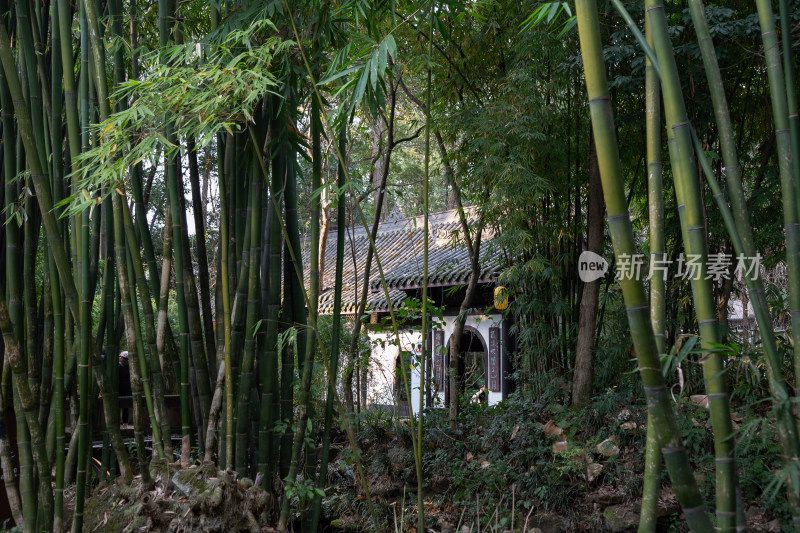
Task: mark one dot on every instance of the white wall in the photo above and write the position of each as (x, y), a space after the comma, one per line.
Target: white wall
(380, 383)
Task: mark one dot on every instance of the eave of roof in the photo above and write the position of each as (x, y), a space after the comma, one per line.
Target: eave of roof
(399, 243)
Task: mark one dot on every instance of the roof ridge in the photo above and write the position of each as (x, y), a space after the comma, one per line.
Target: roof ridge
(447, 216)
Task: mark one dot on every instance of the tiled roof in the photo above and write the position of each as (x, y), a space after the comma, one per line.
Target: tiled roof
(399, 243)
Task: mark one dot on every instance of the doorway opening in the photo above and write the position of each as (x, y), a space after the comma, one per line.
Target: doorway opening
(472, 362)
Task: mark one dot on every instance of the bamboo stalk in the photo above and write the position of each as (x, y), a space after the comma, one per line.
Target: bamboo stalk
(384, 285)
(30, 418)
(314, 269)
(306, 369)
(111, 362)
(787, 431)
(26, 484)
(12, 275)
(12, 492)
(159, 421)
(94, 62)
(173, 188)
(425, 252)
(740, 232)
(659, 407)
(246, 367)
(226, 314)
(322, 479)
(197, 350)
(84, 323)
(789, 182)
(695, 243)
(200, 250)
(652, 469)
(268, 373)
(163, 294)
(148, 358)
(131, 336)
(791, 91)
(38, 172)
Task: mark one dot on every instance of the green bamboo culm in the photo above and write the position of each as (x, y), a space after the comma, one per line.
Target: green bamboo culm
(173, 190)
(636, 302)
(28, 57)
(298, 270)
(268, 373)
(149, 357)
(25, 402)
(148, 363)
(38, 172)
(307, 367)
(133, 341)
(84, 438)
(13, 339)
(741, 237)
(652, 462)
(791, 90)
(247, 362)
(55, 284)
(731, 164)
(425, 322)
(139, 369)
(313, 272)
(93, 62)
(322, 477)
(111, 364)
(226, 314)
(26, 484)
(789, 185)
(787, 429)
(13, 282)
(695, 244)
(292, 226)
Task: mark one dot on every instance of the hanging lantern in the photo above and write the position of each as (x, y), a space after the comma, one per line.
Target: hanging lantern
(501, 298)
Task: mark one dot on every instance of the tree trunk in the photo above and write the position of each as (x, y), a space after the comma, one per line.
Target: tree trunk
(379, 162)
(458, 329)
(587, 321)
(380, 193)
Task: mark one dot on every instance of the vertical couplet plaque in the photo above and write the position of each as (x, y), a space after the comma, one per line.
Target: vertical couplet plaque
(438, 358)
(494, 359)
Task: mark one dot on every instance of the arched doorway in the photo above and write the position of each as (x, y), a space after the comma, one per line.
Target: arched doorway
(472, 362)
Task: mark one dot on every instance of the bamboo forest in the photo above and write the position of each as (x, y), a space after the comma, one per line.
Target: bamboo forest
(403, 266)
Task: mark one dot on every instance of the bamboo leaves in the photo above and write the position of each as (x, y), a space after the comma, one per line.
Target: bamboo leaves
(365, 65)
(195, 99)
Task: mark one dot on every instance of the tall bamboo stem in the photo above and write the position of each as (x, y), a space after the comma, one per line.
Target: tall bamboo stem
(322, 477)
(246, 367)
(636, 302)
(304, 396)
(695, 243)
(789, 185)
(173, 190)
(84, 438)
(652, 478)
(226, 313)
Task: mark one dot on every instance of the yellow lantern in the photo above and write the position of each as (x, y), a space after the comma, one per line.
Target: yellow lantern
(501, 298)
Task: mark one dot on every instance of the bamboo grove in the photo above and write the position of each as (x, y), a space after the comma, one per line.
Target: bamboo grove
(80, 137)
(686, 156)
